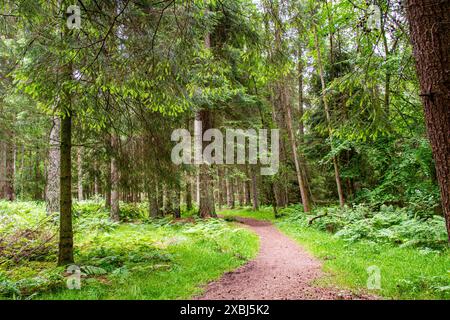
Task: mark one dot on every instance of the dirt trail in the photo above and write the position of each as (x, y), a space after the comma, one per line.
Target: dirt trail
(282, 270)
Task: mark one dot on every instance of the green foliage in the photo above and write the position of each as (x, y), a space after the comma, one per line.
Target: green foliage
(406, 273)
(386, 225)
(166, 259)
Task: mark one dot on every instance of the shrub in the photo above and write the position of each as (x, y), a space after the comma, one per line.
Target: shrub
(386, 225)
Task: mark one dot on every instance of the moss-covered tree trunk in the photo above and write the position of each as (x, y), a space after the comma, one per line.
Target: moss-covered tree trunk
(65, 255)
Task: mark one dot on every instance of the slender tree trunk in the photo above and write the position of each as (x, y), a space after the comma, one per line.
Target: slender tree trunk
(301, 125)
(327, 114)
(10, 193)
(53, 168)
(80, 173)
(188, 193)
(176, 202)
(2, 168)
(228, 188)
(96, 185)
(254, 189)
(300, 177)
(65, 255)
(108, 185)
(248, 201)
(114, 180)
(430, 34)
(220, 182)
(206, 205)
(197, 187)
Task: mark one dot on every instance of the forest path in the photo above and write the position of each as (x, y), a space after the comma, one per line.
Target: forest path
(281, 270)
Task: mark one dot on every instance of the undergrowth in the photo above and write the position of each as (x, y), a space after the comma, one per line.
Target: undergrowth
(115, 260)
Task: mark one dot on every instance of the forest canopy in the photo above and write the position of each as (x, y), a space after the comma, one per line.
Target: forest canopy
(91, 93)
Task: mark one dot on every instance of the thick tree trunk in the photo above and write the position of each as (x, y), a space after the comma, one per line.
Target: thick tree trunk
(114, 180)
(328, 118)
(153, 204)
(65, 255)
(80, 173)
(430, 34)
(53, 168)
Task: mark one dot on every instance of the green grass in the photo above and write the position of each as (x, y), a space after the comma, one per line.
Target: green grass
(158, 259)
(406, 273)
(265, 213)
(196, 260)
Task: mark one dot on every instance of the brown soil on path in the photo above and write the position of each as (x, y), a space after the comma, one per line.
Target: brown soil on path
(282, 270)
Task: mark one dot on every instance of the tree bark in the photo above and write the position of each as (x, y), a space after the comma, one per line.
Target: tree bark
(206, 205)
(188, 193)
(10, 193)
(430, 35)
(108, 185)
(248, 201)
(80, 173)
(65, 255)
(114, 180)
(220, 188)
(2, 168)
(176, 203)
(53, 168)
(298, 169)
(254, 189)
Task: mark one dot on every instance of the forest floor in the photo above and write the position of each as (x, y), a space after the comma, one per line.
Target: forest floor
(404, 272)
(282, 270)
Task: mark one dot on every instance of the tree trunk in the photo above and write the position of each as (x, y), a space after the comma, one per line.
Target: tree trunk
(10, 193)
(176, 202)
(430, 35)
(53, 168)
(328, 118)
(220, 188)
(188, 193)
(108, 185)
(301, 125)
(254, 189)
(2, 168)
(298, 169)
(80, 173)
(206, 204)
(114, 180)
(248, 201)
(65, 255)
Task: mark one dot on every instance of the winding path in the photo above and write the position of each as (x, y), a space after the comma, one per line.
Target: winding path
(282, 270)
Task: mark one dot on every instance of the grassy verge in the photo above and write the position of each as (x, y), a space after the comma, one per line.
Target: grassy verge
(192, 258)
(159, 259)
(406, 273)
(265, 213)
